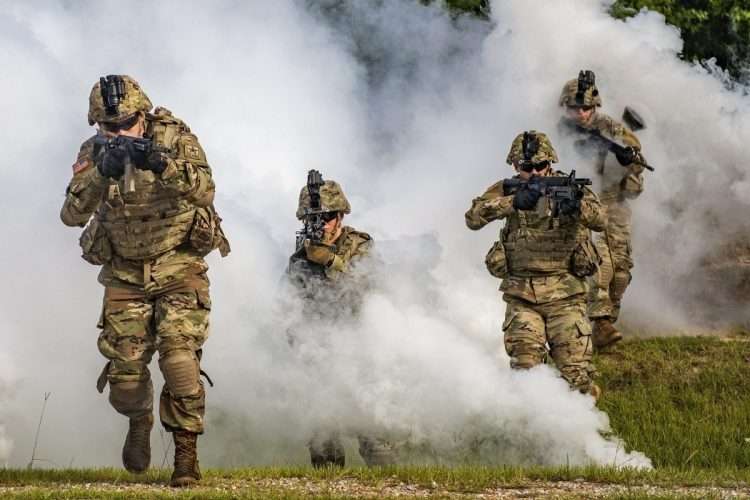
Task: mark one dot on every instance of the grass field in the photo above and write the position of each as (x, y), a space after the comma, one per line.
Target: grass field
(683, 401)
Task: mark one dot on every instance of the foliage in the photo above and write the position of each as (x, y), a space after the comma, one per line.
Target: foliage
(710, 28)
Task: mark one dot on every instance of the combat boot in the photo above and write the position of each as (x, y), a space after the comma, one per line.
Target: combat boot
(330, 453)
(186, 470)
(136, 452)
(604, 333)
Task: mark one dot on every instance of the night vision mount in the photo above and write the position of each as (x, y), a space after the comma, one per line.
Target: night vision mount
(113, 91)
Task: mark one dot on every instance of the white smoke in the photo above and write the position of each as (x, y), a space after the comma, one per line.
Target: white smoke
(273, 89)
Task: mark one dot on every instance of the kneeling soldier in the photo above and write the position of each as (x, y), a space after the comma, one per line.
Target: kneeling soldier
(327, 271)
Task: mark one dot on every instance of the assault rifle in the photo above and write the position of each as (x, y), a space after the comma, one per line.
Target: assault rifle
(555, 188)
(141, 146)
(313, 215)
(627, 153)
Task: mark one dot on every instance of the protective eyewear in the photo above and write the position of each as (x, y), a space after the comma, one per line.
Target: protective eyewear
(574, 109)
(125, 124)
(530, 167)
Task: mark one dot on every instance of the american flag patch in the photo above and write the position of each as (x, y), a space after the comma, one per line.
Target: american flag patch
(80, 165)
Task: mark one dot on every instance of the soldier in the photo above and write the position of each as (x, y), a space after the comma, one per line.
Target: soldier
(145, 179)
(619, 182)
(543, 257)
(326, 269)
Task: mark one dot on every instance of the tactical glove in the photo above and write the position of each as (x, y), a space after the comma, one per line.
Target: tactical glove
(154, 161)
(627, 155)
(526, 198)
(112, 163)
(319, 253)
(569, 207)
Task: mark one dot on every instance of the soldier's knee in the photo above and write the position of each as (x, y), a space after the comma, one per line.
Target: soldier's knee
(181, 371)
(620, 282)
(523, 361)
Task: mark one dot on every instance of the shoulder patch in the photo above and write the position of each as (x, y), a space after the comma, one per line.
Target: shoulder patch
(191, 150)
(81, 165)
(85, 155)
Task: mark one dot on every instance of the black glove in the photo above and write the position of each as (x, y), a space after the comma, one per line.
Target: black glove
(526, 198)
(112, 163)
(627, 155)
(154, 161)
(569, 207)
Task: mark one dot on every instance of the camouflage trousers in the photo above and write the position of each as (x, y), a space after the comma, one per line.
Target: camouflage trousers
(562, 325)
(136, 323)
(328, 448)
(608, 285)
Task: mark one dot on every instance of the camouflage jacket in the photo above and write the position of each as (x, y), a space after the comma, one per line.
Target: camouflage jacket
(335, 292)
(540, 248)
(618, 182)
(163, 229)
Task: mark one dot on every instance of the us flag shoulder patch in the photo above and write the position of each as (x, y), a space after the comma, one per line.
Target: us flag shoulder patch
(80, 165)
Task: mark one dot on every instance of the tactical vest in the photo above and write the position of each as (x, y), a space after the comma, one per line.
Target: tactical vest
(151, 220)
(538, 244)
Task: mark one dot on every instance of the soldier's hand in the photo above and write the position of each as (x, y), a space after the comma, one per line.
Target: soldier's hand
(526, 198)
(569, 207)
(157, 162)
(319, 253)
(627, 155)
(112, 163)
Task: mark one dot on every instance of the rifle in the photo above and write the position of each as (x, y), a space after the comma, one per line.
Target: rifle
(130, 145)
(554, 187)
(313, 215)
(615, 148)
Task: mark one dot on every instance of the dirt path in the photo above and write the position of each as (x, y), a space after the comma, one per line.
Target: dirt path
(353, 488)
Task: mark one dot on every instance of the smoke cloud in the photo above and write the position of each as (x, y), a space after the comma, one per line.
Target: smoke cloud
(413, 113)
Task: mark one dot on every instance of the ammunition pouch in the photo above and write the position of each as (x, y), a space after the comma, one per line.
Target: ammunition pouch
(585, 260)
(206, 234)
(95, 244)
(496, 262)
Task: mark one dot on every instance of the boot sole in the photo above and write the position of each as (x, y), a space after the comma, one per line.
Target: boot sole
(183, 482)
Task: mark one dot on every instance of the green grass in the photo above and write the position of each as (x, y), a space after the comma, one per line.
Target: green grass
(684, 402)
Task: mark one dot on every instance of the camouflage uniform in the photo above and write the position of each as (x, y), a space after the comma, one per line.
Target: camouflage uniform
(543, 260)
(335, 290)
(151, 245)
(619, 183)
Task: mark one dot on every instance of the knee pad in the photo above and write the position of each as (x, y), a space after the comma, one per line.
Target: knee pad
(525, 361)
(181, 372)
(620, 282)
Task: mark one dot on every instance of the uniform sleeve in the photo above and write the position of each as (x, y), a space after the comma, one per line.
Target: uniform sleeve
(342, 261)
(85, 190)
(593, 213)
(189, 173)
(631, 184)
(492, 205)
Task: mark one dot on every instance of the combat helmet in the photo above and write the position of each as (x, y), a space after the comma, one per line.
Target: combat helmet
(115, 98)
(332, 199)
(581, 91)
(531, 147)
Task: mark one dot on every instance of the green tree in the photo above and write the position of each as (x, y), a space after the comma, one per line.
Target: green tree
(710, 29)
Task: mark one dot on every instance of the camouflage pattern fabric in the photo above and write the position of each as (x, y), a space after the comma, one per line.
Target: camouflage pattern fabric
(544, 308)
(135, 100)
(562, 325)
(545, 153)
(332, 199)
(137, 321)
(619, 184)
(159, 301)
